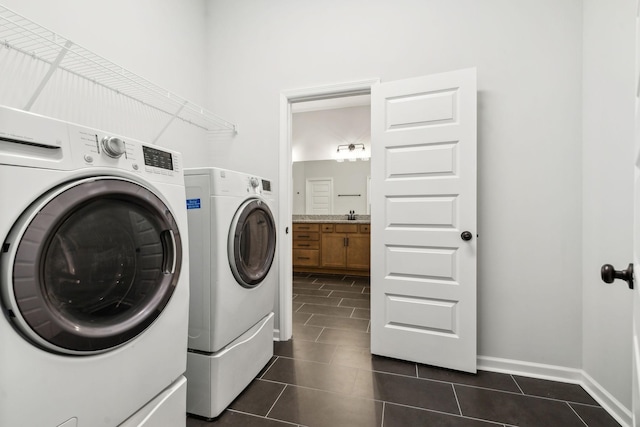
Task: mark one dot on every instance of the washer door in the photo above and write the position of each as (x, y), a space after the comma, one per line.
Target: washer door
(252, 243)
(91, 265)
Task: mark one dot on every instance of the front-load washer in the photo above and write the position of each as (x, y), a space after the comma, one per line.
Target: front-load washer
(93, 277)
(232, 246)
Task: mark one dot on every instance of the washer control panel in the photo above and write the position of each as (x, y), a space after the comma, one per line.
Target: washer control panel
(31, 140)
(100, 149)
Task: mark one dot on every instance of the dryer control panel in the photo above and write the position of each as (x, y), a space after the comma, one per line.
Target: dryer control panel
(258, 185)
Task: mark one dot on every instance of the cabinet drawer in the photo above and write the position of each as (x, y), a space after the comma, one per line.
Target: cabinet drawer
(346, 228)
(327, 228)
(306, 244)
(306, 227)
(365, 228)
(304, 235)
(306, 257)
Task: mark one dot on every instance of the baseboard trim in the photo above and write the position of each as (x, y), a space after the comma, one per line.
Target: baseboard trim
(563, 374)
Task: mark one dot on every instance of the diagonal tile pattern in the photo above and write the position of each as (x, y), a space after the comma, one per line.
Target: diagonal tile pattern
(326, 377)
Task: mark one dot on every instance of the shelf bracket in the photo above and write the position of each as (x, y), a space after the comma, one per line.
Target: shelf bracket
(169, 123)
(46, 78)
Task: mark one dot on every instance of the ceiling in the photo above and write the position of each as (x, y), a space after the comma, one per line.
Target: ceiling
(331, 103)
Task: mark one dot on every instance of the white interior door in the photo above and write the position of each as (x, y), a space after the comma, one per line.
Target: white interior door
(319, 196)
(636, 240)
(423, 220)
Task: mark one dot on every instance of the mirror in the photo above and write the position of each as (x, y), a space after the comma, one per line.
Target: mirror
(328, 187)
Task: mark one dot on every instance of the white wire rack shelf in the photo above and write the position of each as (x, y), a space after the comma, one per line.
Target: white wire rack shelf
(27, 37)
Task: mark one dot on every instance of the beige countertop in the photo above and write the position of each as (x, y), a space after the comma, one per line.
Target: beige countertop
(332, 221)
(335, 219)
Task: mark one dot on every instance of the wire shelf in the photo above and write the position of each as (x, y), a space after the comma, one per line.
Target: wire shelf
(23, 35)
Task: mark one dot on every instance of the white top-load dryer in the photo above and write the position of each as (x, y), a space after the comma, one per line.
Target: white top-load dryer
(93, 278)
(232, 246)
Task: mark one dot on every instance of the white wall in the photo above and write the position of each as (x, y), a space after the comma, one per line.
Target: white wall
(160, 40)
(315, 135)
(608, 126)
(528, 56)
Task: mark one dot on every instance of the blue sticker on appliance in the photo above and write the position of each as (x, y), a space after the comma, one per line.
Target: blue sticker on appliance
(193, 203)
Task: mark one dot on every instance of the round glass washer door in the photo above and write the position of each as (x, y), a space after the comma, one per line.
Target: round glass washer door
(252, 243)
(93, 264)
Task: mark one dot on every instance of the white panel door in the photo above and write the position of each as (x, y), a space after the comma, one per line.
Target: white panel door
(423, 273)
(636, 241)
(319, 199)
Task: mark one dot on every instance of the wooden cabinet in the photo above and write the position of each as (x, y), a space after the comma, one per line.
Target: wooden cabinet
(358, 251)
(331, 247)
(334, 250)
(306, 245)
(345, 246)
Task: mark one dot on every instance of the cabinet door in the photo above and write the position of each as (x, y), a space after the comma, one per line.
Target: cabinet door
(358, 251)
(333, 250)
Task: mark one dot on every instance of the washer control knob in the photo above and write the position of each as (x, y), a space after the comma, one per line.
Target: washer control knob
(113, 147)
(254, 182)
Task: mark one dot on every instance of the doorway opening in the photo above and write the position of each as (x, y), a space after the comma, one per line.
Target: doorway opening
(322, 97)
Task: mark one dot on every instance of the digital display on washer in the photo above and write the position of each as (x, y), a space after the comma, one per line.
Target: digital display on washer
(266, 185)
(157, 158)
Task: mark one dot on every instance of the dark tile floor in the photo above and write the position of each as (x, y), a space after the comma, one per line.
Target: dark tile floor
(325, 377)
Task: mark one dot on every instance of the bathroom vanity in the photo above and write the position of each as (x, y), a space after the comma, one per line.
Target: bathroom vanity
(331, 244)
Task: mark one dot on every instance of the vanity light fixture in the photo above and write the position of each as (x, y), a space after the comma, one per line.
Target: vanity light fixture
(351, 152)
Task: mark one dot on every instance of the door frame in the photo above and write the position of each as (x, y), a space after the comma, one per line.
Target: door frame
(284, 329)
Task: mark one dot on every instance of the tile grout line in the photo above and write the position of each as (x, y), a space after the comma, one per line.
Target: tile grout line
(268, 367)
(518, 385)
(305, 323)
(365, 371)
(531, 396)
(370, 399)
(261, 417)
(404, 376)
(453, 387)
(384, 405)
(497, 423)
(366, 331)
(276, 401)
(577, 415)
